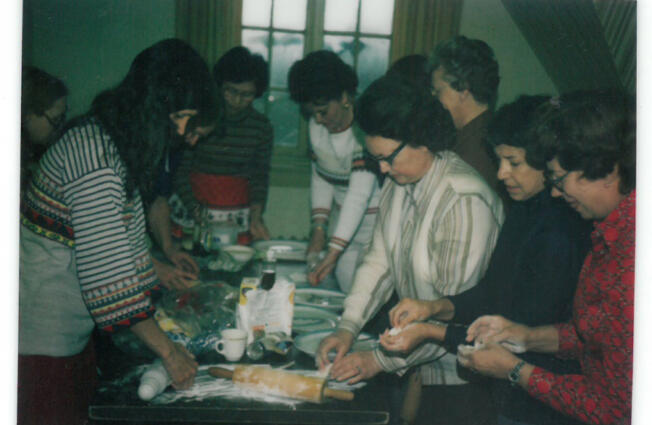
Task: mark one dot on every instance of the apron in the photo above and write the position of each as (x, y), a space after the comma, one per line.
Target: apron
(226, 199)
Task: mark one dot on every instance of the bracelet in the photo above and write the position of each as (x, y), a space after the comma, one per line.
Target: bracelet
(314, 226)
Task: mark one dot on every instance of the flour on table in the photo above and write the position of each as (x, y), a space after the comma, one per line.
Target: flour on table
(207, 386)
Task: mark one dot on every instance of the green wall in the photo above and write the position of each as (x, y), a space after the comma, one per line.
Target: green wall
(520, 70)
(91, 43)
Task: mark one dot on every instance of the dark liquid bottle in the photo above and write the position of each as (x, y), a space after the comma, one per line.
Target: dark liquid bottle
(268, 277)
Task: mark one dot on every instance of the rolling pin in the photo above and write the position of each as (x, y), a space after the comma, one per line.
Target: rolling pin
(281, 383)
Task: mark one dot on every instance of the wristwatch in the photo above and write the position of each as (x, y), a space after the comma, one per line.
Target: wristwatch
(515, 374)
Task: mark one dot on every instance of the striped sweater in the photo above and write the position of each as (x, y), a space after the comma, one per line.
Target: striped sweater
(244, 150)
(78, 199)
(431, 239)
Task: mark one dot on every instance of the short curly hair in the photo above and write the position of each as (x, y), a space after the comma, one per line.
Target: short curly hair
(395, 109)
(321, 76)
(468, 64)
(414, 69)
(239, 65)
(510, 126)
(589, 131)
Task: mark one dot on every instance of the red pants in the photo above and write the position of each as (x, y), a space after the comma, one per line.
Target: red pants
(56, 390)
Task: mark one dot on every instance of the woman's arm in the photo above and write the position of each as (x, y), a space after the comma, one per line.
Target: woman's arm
(179, 363)
(355, 204)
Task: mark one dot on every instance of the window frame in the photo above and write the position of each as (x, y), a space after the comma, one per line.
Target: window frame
(290, 166)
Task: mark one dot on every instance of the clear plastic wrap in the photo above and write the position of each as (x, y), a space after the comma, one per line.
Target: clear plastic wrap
(193, 317)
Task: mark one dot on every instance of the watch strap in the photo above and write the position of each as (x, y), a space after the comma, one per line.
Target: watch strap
(515, 374)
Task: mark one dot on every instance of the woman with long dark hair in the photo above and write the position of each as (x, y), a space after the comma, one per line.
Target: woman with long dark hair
(84, 260)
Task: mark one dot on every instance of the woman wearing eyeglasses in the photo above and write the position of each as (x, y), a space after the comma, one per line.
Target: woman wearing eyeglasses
(437, 225)
(43, 112)
(532, 274)
(228, 172)
(344, 185)
(588, 139)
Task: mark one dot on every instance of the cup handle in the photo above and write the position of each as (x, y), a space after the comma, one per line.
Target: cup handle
(217, 346)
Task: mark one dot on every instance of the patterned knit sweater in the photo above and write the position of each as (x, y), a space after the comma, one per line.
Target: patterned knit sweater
(78, 199)
(244, 150)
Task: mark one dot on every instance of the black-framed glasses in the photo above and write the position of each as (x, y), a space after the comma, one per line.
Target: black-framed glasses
(557, 182)
(390, 158)
(57, 122)
(233, 92)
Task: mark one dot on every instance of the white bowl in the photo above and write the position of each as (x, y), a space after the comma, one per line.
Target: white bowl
(239, 253)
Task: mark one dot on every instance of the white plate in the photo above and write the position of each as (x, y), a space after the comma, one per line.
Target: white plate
(239, 253)
(322, 298)
(309, 342)
(283, 250)
(310, 319)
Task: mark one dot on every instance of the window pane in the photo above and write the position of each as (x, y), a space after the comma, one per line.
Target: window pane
(256, 41)
(376, 16)
(284, 115)
(290, 14)
(286, 49)
(344, 46)
(341, 15)
(256, 13)
(372, 60)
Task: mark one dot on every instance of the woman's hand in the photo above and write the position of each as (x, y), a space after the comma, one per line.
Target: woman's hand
(489, 329)
(355, 367)
(409, 310)
(324, 267)
(340, 341)
(173, 278)
(406, 340)
(491, 360)
(181, 366)
(258, 230)
(317, 240)
(182, 260)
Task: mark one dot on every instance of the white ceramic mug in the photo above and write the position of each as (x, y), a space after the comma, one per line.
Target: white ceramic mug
(232, 344)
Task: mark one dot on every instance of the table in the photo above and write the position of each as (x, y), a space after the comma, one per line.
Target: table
(118, 403)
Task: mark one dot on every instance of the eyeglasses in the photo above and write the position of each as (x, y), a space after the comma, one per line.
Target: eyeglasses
(233, 92)
(390, 158)
(56, 122)
(557, 182)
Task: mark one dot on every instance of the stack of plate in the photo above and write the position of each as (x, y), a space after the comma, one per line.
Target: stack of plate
(316, 309)
(283, 249)
(309, 342)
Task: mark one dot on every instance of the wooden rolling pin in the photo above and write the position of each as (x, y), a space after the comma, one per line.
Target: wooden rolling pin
(281, 383)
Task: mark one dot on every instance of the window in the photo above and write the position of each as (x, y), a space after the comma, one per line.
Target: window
(283, 31)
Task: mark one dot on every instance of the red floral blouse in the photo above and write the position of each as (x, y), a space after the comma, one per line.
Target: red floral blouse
(601, 332)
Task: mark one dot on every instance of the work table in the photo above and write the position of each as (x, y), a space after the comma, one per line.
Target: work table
(117, 402)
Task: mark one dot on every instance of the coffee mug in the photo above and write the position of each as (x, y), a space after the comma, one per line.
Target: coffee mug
(232, 344)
